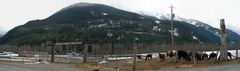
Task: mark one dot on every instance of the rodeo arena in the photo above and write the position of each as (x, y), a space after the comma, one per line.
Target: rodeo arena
(123, 56)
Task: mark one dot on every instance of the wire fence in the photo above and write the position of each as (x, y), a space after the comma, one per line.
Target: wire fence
(97, 52)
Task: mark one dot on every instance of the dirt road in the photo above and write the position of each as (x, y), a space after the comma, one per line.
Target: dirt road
(38, 67)
(232, 67)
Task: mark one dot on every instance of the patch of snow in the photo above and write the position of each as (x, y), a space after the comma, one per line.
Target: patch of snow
(105, 14)
(78, 5)
(216, 33)
(99, 25)
(232, 42)
(110, 21)
(194, 22)
(158, 22)
(102, 20)
(231, 51)
(119, 58)
(155, 28)
(141, 17)
(89, 22)
(195, 38)
(92, 12)
(175, 33)
(102, 62)
(159, 29)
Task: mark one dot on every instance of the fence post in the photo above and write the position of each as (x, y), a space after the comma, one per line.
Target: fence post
(52, 53)
(85, 54)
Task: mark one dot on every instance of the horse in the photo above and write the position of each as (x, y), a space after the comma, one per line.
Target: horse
(212, 55)
(184, 55)
(171, 53)
(139, 56)
(148, 57)
(205, 56)
(161, 56)
(229, 55)
(201, 56)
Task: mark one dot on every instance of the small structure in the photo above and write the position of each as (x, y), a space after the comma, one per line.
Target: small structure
(60, 44)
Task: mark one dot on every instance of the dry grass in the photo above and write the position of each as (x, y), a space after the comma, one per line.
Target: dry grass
(155, 64)
(90, 67)
(16, 62)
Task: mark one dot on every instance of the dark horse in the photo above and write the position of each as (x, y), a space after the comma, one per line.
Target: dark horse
(229, 55)
(184, 55)
(212, 55)
(148, 57)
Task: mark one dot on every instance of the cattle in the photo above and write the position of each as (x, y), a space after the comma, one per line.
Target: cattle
(212, 55)
(184, 55)
(161, 56)
(148, 57)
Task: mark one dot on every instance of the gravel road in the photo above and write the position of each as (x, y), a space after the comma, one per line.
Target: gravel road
(38, 67)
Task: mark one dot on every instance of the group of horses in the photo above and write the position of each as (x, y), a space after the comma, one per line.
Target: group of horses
(186, 55)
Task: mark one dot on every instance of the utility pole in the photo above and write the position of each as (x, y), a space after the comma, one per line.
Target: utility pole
(223, 47)
(172, 28)
(236, 53)
(135, 53)
(134, 56)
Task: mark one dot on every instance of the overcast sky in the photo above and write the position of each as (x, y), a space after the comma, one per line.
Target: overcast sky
(18, 12)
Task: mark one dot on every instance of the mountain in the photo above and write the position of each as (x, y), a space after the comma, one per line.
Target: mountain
(1, 35)
(232, 37)
(93, 23)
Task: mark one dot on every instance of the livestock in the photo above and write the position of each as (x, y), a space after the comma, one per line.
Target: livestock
(161, 56)
(184, 55)
(205, 56)
(139, 56)
(201, 56)
(212, 55)
(148, 57)
(229, 55)
(172, 53)
(198, 55)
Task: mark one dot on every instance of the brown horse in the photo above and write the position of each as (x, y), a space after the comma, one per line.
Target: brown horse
(161, 56)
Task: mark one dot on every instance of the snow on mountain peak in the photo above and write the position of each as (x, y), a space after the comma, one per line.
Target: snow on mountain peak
(81, 5)
(167, 16)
